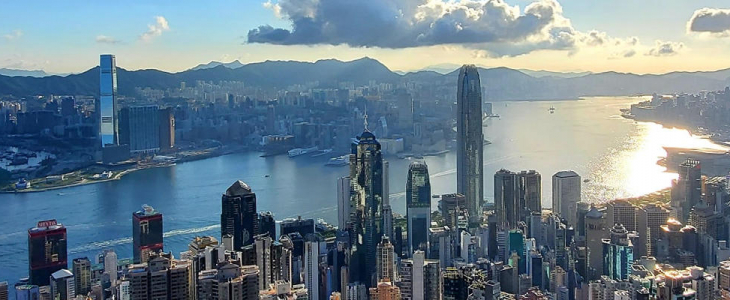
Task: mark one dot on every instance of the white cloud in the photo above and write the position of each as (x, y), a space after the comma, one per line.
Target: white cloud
(662, 48)
(103, 39)
(156, 29)
(14, 35)
(275, 7)
(712, 21)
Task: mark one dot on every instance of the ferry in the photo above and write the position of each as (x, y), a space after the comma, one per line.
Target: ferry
(22, 184)
(301, 151)
(339, 161)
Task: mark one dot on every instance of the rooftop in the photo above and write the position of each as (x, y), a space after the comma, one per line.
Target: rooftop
(238, 188)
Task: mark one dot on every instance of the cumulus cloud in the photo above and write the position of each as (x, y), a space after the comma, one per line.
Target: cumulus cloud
(103, 39)
(14, 35)
(156, 29)
(710, 20)
(662, 48)
(414, 23)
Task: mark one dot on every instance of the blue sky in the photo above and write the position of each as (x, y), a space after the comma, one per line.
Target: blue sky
(68, 36)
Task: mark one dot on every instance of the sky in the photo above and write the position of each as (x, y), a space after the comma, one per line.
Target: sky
(648, 36)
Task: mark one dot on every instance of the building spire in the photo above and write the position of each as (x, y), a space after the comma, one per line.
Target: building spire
(365, 118)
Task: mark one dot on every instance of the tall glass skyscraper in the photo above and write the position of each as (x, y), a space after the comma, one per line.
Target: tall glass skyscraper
(107, 113)
(470, 140)
(238, 215)
(618, 254)
(418, 204)
(366, 173)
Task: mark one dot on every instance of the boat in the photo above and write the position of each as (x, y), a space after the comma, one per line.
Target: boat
(586, 180)
(301, 151)
(339, 161)
(22, 184)
(267, 175)
(551, 109)
(487, 142)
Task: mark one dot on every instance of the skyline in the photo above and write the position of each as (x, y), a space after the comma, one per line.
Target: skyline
(538, 35)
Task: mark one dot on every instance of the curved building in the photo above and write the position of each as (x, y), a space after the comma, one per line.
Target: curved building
(470, 140)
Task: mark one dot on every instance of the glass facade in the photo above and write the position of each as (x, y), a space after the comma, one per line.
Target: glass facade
(470, 140)
(107, 100)
(418, 203)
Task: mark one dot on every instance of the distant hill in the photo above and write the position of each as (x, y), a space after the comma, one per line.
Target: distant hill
(498, 83)
(541, 73)
(17, 72)
(231, 65)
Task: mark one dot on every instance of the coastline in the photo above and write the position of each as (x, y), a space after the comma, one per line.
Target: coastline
(192, 155)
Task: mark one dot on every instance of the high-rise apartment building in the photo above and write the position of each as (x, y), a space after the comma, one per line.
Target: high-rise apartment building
(470, 140)
(386, 261)
(81, 268)
(108, 123)
(47, 252)
(451, 206)
(62, 285)
(162, 277)
(111, 264)
(418, 206)
(238, 215)
(311, 268)
(385, 290)
(566, 195)
(229, 282)
(146, 233)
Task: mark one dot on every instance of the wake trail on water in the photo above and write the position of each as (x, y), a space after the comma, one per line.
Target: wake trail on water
(127, 240)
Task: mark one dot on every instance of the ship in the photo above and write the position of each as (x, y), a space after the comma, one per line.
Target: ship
(339, 161)
(551, 109)
(301, 151)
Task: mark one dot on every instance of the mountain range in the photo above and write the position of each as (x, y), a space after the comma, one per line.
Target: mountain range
(498, 83)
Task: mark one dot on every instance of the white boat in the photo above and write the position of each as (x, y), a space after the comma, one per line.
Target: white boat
(339, 161)
(321, 152)
(301, 151)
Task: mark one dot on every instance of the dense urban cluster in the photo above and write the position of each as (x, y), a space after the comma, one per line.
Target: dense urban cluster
(463, 249)
(112, 131)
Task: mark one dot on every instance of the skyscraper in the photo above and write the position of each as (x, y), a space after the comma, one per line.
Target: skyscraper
(470, 140)
(82, 275)
(146, 233)
(530, 186)
(167, 128)
(566, 195)
(107, 113)
(62, 285)
(267, 224)
(139, 127)
(46, 251)
(366, 173)
(386, 261)
(418, 204)
(618, 254)
(387, 210)
(311, 267)
(238, 215)
(506, 198)
(343, 202)
(687, 189)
